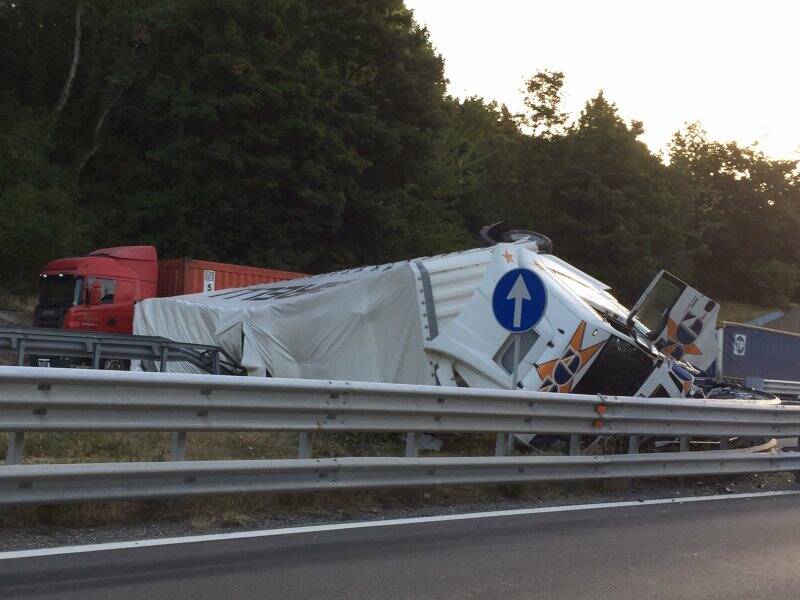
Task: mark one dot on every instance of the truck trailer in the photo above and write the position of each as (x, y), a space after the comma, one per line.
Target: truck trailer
(98, 292)
(758, 357)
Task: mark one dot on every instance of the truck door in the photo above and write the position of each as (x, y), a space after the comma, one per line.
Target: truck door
(100, 294)
(679, 320)
(109, 305)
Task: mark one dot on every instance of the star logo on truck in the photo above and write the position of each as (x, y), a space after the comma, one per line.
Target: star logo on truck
(681, 337)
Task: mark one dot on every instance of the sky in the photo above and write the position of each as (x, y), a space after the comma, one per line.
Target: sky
(732, 65)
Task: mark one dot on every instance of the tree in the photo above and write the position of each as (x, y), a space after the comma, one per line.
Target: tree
(318, 135)
(38, 216)
(476, 170)
(543, 101)
(391, 113)
(615, 209)
(747, 210)
(276, 132)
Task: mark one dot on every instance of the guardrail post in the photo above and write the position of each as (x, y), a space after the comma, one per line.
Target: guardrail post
(16, 442)
(178, 446)
(574, 444)
(684, 447)
(502, 446)
(412, 450)
(304, 446)
(98, 348)
(21, 354)
(633, 448)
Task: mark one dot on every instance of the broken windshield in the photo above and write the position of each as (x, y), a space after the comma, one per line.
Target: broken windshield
(620, 369)
(653, 308)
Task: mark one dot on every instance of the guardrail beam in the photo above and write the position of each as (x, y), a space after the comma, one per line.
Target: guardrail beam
(27, 484)
(34, 399)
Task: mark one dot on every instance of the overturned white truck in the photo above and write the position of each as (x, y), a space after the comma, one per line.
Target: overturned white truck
(430, 321)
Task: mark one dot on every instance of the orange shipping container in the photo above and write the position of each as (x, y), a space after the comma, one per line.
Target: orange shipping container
(179, 276)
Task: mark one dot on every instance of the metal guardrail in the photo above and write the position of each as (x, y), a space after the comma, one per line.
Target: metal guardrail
(778, 387)
(81, 400)
(98, 347)
(127, 481)
(782, 388)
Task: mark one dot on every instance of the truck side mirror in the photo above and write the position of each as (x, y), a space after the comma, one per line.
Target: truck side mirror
(95, 294)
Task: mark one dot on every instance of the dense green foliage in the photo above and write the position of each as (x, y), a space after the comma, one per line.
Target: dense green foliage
(317, 135)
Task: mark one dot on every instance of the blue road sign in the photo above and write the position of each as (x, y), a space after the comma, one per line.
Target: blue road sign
(519, 300)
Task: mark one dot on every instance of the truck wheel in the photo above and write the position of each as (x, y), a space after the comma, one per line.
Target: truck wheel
(503, 232)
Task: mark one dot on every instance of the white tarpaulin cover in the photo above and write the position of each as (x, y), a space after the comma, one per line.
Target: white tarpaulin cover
(407, 322)
(362, 324)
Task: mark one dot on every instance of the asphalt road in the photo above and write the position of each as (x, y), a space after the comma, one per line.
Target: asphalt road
(718, 549)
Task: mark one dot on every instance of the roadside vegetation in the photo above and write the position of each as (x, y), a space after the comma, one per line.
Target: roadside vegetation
(22, 303)
(742, 312)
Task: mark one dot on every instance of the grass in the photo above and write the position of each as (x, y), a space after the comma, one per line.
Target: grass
(741, 312)
(68, 448)
(21, 303)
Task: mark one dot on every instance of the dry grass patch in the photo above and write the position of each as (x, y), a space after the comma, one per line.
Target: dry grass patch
(22, 303)
(741, 312)
(58, 448)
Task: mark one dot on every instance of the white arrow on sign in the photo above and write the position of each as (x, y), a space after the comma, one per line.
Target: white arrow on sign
(519, 292)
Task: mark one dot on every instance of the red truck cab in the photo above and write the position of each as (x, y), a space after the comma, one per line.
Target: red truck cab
(97, 292)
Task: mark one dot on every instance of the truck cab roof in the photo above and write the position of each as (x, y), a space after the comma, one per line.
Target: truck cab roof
(139, 262)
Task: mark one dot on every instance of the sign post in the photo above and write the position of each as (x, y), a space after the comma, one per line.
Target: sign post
(518, 303)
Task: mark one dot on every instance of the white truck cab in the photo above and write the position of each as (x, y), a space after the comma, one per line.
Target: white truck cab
(586, 342)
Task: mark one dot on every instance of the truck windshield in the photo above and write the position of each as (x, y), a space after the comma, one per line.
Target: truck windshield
(655, 308)
(59, 290)
(620, 369)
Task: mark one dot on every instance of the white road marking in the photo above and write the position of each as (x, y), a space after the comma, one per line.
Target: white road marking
(195, 539)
